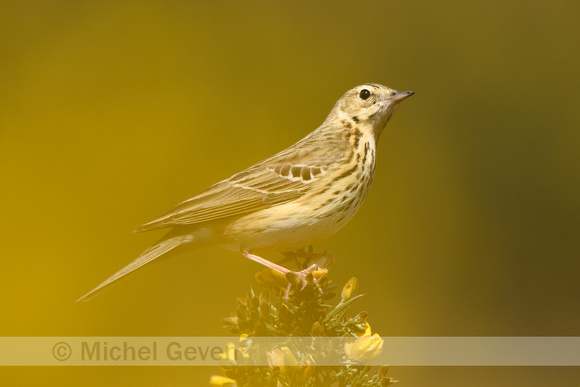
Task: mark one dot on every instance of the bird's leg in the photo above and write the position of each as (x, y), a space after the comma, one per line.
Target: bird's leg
(299, 276)
(262, 261)
(321, 260)
(280, 269)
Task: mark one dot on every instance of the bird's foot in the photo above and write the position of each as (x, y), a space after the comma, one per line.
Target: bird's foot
(295, 277)
(322, 260)
(302, 278)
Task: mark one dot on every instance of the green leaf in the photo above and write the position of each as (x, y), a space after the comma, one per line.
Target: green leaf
(340, 307)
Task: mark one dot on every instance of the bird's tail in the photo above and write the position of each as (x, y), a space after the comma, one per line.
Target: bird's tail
(147, 256)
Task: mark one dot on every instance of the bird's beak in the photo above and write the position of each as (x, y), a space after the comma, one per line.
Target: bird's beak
(400, 95)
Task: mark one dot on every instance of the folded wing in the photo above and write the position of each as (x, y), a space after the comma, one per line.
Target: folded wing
(258, 187)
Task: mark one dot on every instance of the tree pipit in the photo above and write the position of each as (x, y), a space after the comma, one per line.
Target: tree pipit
(297, 197)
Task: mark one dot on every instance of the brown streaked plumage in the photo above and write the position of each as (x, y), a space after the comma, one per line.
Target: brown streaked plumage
(299, 196)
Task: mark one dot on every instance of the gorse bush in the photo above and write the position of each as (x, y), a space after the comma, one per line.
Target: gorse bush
(296, 312)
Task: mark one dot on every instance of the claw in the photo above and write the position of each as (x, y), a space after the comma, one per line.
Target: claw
(297, 277)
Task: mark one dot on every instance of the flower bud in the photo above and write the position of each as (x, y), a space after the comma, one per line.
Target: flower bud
(317, 329)
(322, 261)
(383, 371)
(241, 301)
(349, 289)
(362, 316)
(230, 322)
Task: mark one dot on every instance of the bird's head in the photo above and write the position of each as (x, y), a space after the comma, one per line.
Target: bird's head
(368, 106)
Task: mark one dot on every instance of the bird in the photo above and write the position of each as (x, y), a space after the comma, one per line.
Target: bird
(289, 201)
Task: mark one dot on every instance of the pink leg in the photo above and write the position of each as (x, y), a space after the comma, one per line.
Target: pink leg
(280, 269)
(265, 262)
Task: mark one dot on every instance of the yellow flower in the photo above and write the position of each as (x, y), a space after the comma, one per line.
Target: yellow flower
(230, 353)
(271, 279)
(306, 369)
(234, 353)
(319, 273)
(367, 329)
(364, 349)
(283, 358)
(221, 381)
(243, 339)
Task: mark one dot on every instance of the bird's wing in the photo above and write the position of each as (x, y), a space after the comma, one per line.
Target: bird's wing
(264, 185)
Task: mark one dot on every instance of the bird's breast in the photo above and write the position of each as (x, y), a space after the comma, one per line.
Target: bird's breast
(330, 204)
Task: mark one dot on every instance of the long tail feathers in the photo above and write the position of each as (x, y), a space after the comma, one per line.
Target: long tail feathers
(147, 256)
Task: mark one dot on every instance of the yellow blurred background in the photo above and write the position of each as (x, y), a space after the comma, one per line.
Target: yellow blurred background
(111, 112)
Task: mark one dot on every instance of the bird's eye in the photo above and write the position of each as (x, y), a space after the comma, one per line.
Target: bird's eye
(364, 94)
